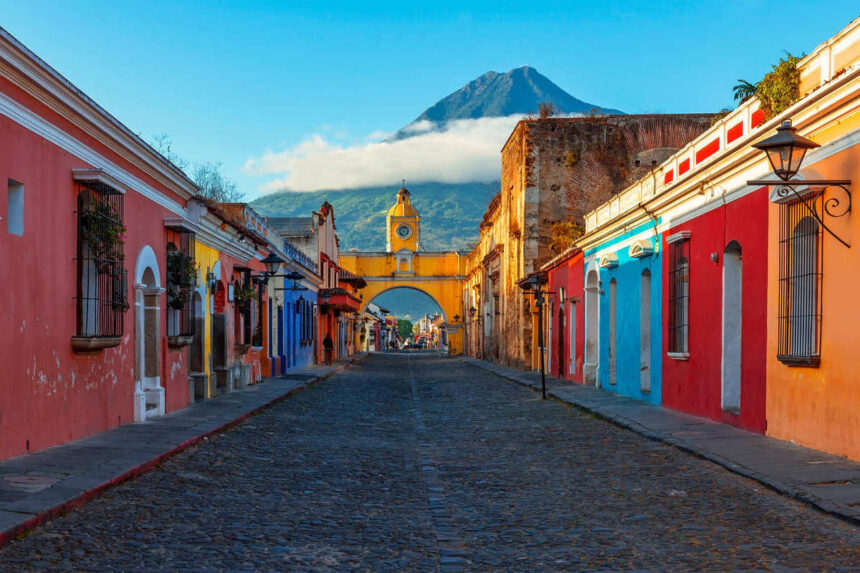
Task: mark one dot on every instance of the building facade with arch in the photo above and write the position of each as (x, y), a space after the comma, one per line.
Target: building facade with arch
(751, 289)
(438, 274)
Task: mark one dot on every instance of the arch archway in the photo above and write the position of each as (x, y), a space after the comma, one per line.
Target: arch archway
(148, 392)
(443, 294)
(592, 320)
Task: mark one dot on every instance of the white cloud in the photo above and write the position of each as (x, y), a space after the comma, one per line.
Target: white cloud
(466, 150)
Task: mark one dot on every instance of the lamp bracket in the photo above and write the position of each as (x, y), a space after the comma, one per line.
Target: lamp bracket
(833, 206)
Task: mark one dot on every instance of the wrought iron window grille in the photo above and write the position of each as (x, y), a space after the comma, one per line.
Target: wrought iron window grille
(679, 297)
(102, 286)
(181, 283)
(800, 276)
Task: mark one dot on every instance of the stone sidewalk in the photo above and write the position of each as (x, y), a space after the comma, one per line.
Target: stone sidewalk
(826, 482)
(39, 486)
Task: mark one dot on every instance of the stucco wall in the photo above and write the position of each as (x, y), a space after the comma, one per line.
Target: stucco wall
(53, 394)
(818, 406)
(569, 276)
(695, 385)
(628, 329)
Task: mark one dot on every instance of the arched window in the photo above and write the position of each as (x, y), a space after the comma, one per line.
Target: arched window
(799, 286)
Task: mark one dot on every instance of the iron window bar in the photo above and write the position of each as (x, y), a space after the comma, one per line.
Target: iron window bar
(800, 277)
(102, 284)
(181, 283)
(679, 296)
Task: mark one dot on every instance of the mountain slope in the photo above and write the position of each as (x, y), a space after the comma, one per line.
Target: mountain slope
(495, 95)
(450, 212)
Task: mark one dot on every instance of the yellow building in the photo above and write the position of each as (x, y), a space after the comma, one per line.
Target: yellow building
(438, 274)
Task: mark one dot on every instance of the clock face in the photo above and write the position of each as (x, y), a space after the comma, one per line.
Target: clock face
(403, 231)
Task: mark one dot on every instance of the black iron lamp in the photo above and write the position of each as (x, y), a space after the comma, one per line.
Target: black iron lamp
(455, 319)
(786, 151)
(295, 278)
(472, 311)
(273, 263)
(532, 285)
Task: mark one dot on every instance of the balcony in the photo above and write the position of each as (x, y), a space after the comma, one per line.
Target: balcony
(340, 299)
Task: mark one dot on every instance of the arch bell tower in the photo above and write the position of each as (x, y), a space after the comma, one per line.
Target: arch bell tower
(404, 264)
(403, 224)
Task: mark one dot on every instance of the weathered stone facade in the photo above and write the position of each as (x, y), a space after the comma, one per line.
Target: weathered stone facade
(553, 170)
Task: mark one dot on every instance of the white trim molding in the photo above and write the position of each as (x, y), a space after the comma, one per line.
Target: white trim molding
(146, 258)
(641, 248)
(42, 82)
(608, 261)
(98, 176)
(44, 129)
(677, 237)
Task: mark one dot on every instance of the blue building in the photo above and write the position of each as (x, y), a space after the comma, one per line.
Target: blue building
(623, 334)
(293, 313)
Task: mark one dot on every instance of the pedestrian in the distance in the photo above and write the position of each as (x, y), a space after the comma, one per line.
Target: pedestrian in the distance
(328, 348)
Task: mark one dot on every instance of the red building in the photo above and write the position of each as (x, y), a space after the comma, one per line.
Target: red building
(715, 310)
(88, 210)
(565, 315)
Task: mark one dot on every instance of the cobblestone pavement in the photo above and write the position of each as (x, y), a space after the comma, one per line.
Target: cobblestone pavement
(426, 464)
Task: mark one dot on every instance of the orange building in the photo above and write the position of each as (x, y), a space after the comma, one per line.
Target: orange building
(813, 390)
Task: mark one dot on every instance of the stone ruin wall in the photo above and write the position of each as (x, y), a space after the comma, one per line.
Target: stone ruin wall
(580, 163)
(558, 169)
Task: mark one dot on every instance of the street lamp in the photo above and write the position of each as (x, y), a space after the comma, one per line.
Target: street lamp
(785, 152)
(531, 285)
(295, 278)
(273, 263)
(472, 311)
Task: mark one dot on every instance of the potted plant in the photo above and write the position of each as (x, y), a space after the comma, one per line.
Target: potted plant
(104, 233)
(181, 278)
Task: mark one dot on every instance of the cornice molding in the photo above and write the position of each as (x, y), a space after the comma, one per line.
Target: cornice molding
(42, 82)
(46, 130)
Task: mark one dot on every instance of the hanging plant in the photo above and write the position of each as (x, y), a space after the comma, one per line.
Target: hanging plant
(244, 293)
(181, 279)
(181, 269)
(104, 233)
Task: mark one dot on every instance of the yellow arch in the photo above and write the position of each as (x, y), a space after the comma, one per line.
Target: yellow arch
(439, 275)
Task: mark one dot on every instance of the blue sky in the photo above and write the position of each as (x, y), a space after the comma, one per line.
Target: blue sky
(230, 81)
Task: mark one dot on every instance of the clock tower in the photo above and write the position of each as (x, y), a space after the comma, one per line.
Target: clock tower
(403, 224)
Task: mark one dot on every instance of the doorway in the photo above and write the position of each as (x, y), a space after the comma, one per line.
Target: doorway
(613, 331)
(148, 392)
(592, 318)
(645, 332)
(732, 323)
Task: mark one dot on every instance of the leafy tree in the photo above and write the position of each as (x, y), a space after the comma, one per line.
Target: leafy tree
(780, 87)
(777, 90)
(208, 176)
(564, 233)
(404, 327)
(214, 184)
(744, 90)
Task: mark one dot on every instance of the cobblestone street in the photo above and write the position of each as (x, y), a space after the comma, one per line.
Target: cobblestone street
(423, 463)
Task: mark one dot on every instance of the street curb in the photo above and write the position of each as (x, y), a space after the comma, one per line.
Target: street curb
(88, 495)
(774, 485)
